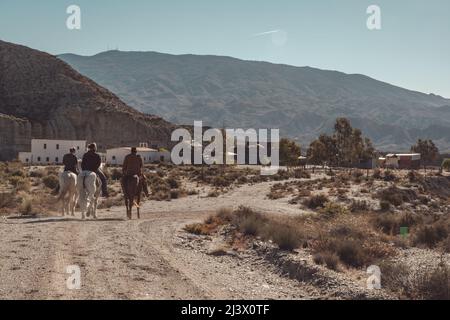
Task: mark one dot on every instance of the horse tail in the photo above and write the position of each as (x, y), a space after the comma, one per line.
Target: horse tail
(84, 182)
(63, 192)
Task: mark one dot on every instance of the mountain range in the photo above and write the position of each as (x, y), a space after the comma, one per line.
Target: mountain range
(301, 101)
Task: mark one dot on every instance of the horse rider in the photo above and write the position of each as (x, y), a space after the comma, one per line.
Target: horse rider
(70, 161)
(92, 162)
(133, 165)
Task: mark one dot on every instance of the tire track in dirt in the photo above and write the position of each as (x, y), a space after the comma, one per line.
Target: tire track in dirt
(120, 259)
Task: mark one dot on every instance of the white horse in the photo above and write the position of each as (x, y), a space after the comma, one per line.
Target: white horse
(68, 192)
(89, 188)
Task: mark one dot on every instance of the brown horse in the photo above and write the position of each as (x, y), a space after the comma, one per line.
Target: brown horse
(132, 190)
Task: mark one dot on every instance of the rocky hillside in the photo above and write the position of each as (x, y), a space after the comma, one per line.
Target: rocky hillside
(43, 97)
(301, 101)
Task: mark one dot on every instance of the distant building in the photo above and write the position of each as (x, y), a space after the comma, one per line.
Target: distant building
(402, 160)
(367, 163)
(116, 156)
(46, 151)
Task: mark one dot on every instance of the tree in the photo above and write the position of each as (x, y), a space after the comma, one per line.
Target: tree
(289, 152)
(343, 133)
(351, 146)
(317, 153)
(331, 149)
(428, 151)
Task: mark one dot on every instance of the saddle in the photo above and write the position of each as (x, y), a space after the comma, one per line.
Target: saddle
(84, 174)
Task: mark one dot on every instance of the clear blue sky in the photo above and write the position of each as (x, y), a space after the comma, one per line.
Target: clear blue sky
(411, 50)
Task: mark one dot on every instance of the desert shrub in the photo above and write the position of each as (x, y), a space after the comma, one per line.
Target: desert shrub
(385, 205)
(213, 194)
(351, 252)
(197, 228)
(327, 258)
(428, 284)
(446, 245)
(301, 174)
(446, 164)
(249, 222)
(161, 195)
(359, 205)
(285, 236)
(413, 176)
(391, 223)
(111, 202)
(430, 235)
(395, 276)
(377, 174)
(50, 181)
(7, 199)
(397, 196)
(435, 284)
(275, 194)
(116, 174)
(316, 201)
(192, 192)
(177, 193)
(299, 196)
(20, 183)
(345, 231)
(18, 173)
(332, 209)
(225, 214)
(389, 176)
(37, 173)
(242, 180)
(26, 207)
(173, 182)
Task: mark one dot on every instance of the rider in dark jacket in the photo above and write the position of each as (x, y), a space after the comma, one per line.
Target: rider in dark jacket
(133, 165)
(92, 162)
(70, 162)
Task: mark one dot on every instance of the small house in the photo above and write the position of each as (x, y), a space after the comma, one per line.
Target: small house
(402, 160)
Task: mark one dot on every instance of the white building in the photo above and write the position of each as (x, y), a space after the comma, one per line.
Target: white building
(116, 156)
(45, 151)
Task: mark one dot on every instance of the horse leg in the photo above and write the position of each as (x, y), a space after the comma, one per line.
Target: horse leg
(73, 204)
(95, 208)
(130, 208)
(138, 203)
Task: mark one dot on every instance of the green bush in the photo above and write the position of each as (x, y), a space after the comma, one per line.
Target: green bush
(446, 164)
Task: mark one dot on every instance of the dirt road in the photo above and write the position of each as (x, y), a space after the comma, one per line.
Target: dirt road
(119, 259)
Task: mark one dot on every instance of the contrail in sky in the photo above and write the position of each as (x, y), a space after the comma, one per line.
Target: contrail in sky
(264, 33)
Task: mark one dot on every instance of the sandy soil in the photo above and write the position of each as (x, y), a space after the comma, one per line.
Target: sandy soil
(138, 259)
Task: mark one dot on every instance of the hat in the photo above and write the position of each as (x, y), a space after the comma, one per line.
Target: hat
(92, 146)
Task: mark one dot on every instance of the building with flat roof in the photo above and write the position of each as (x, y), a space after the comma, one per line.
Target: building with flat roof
(116, 156)
(47, 151)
